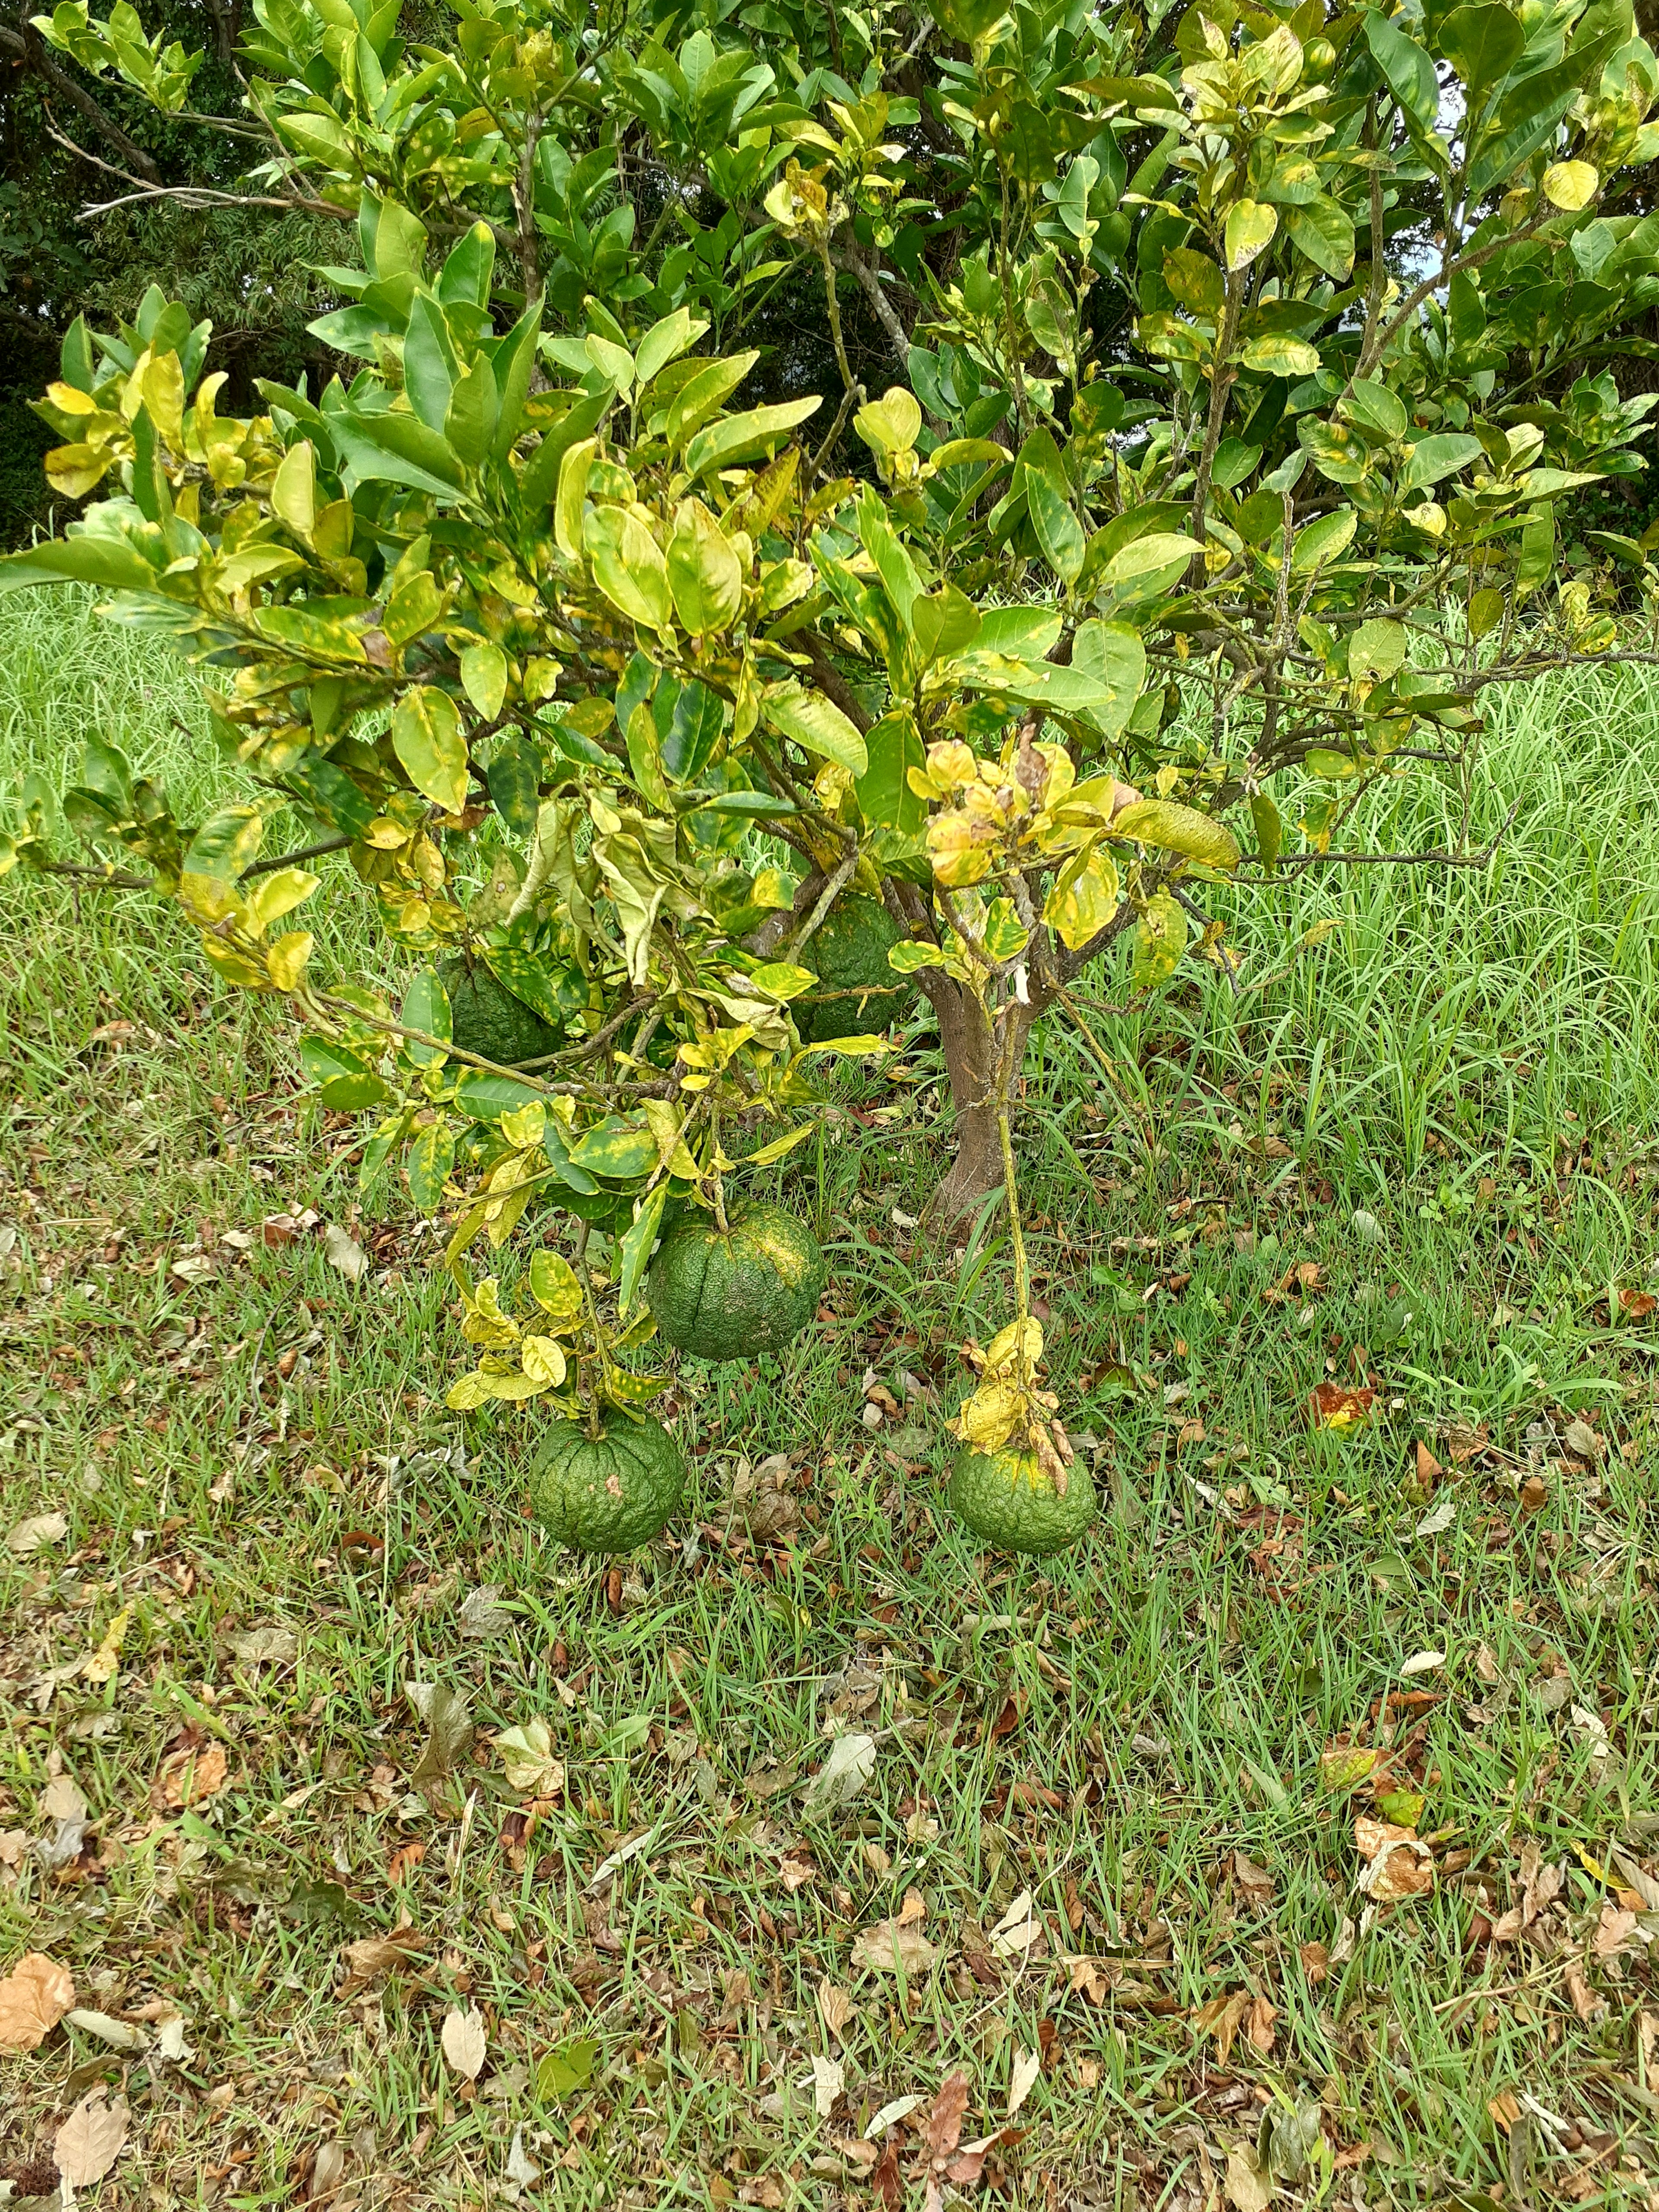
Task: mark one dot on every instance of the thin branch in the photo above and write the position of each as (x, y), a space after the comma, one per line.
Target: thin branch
(335, 844)
(1439, 858)
(198, 196)
(28, 46)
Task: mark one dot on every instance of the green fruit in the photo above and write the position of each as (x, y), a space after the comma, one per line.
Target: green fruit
(731, 1293)
(486, 1018)
(850, 954)
(610, 1493)
(1318, 59)
(1006, 1497)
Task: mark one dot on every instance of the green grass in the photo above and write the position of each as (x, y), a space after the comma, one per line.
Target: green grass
(1467, 1062)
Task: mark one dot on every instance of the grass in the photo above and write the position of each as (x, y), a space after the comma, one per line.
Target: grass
(1424, 1152)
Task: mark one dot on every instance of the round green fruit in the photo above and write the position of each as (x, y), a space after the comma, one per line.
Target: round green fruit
(610, 1493)
(730, 1293)
(850, 954)
(1318, 58)
(1007, 1499)
(484, 1016)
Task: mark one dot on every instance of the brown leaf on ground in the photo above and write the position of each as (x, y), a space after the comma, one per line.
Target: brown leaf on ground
(893, 1945)
(1534, 1495)
(885, 2179)
(943, 2129)
(33, 1997)
(1316, 1963)
(1637, 1305)
(1397, 1865)
(382, 1954)
(1336, 1406)
(40, 1529)
(1613, 1932)
(90, 2140)
(1429, 1469)
(1540, 1885)
(1248, 2184)
(1220, 2017)
(1303, 1279)
(836, 2007)
(1586, 2002)
(1255, 1882)
(465, 2042)
(195, 1769)
(1259, 2025)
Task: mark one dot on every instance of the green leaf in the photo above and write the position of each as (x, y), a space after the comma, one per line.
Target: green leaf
(783, 980)
(1482, 43)
(645, 756)
(1439, 456)
(616, 1150)
(392, 448)
(738, 438)
(344, 1082)
(425, 1007)
(1377, 647)
(1176, 829)
(1269, 829)
(527, 977)
(636, 1246)
(426, 736)
(1058, 531)
(560, 2072)
(892, 747)
(554, 1285)
(664, 341)
(1409, 71)
(1322, 231)
(413, 607)
(1325, 540)
(485, 1097)
(111, 563)
(1535, 557)
(426, 1165)
(483, 677)
(1111, 658)
(227, 842)
(1486, 612)
(628, 566)
(1160, 940)
(815, 723)
(694, 730)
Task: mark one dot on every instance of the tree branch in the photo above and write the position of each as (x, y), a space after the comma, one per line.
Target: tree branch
(26, 46)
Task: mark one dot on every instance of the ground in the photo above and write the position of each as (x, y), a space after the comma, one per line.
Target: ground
(1101, 1840)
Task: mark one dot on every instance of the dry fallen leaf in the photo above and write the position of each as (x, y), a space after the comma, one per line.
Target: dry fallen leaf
(1256, 1883)
(1336, 1406)
(1018, 1930)
(33, 1997)
(1586, 2002)
(343, 1251)
(1249, 2186)
(266, 1647)
(1259, 2025)
(61, 1800)
(1028, 2064)
(851, 1763)
(89, 2142)
(893, 1945)
(464, 2042)
(1220, 2017)
(39, 1530)
(382, 1954)
(191, 1772)
(526, 1754)
(1613, 1932)
(1316, 1963)
(835, 2007)
(1396, 1865)
(827, 2084)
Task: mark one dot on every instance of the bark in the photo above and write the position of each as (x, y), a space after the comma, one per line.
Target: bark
(970, 1060)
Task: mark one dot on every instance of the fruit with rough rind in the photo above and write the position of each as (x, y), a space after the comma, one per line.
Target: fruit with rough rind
(730, 1293)
(610, 1492)
(1009, 1499)
(849, 953)
(485, 1018)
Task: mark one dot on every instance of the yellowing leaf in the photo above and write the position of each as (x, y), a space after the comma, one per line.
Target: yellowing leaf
(543, 1362)
(426, 736)
(1176, 829)
(1571, 185)
(33, 1997)
(1160, 940)
(526, 1754)
(99, 1666)
(1084, 899)
(1250, 231)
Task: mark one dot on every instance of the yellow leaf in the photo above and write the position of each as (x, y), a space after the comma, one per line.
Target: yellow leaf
(286, 959)
(1084, 900)
(543, 1362)
(99, 1666)
(1571, 185)
(990, 1416)
(1005, 1345)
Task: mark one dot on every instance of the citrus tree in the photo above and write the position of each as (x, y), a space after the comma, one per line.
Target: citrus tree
(1208, 388)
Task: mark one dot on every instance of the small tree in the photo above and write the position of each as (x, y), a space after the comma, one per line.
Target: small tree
(1232, 400)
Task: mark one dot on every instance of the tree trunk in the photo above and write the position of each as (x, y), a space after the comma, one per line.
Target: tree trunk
(971, 1058)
